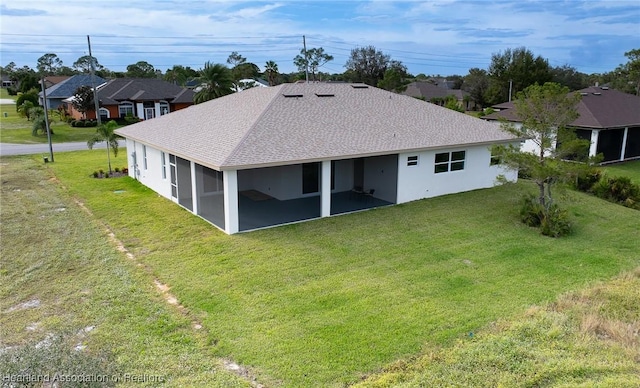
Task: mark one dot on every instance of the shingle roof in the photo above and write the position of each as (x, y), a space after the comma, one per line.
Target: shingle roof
(142, 89)
(600, 108)
(68, 87)
(294, 123)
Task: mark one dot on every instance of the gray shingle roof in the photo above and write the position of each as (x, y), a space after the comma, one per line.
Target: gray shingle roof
(142, 89)
(264, 127)
(600, 108)
(68, 87)
(427, 90)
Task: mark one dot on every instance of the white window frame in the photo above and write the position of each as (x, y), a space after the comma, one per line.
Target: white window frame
(125, 108)
(453, 162)
(164, 165)
(144, 157)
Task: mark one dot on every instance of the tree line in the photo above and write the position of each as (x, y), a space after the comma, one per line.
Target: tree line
(509, 72)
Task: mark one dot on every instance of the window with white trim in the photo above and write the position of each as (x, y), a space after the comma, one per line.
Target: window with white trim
(164, 165)
(144, 156)
(125, 109)
(449, 161)
(164, 108)
(412, 160)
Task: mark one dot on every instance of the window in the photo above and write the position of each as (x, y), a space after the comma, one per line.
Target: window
(125, 109)
(164, 165)
(144, 156)
(104, 114)
(496, 158)
(164, 108)
(449, 161)
(412, 160)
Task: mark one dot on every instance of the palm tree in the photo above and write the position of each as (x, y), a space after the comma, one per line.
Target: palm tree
(216, 82)
(105, 133)
(271, 69)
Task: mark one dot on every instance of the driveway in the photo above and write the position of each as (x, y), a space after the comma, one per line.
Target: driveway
(28, 149)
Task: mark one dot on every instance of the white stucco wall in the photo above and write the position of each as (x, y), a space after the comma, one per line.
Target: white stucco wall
(420, 181)
(380, 175)
(152, 175)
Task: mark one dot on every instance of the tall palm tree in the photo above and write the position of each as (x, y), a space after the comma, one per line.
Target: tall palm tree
(271, 69)
(216, 80)
(105, 133)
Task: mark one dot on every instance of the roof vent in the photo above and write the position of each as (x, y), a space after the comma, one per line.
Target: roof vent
(604, 88)
(325, 95)
(596, 93)
(292, 95)
(360, 86)
(584, 93)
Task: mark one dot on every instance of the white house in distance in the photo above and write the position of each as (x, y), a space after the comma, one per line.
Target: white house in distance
(293, 152)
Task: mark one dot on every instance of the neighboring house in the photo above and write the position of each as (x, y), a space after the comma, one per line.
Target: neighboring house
(66, 88)
(429, 91)
(7, 82)
(51, 80)
(610, 119)
(145, 98)
(248, 83)
(292, 152)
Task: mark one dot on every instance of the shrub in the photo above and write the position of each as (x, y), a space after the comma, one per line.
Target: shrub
(12, 91)
(96, 174)
(619, 190)
(94, 123)
(106, 175)
(585, 182)
(30, 96)
(125, 170)
(553, 222)
(117, 169)
(101, 171)
(73, 123)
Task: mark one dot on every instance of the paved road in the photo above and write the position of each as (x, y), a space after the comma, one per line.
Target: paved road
(27, 149)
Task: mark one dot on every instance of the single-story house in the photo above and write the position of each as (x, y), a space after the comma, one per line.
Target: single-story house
(51, 80)
(66, 88)
(610, 119)
(144, 98)
(293, 152)
(430, 92)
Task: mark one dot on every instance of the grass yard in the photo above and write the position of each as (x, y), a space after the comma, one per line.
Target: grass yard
(629, 169)
(327, 302)
(60, 280)
(17, 130)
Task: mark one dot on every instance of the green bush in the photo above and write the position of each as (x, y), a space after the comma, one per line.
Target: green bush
(12, 91)
(553, 222)
(619, 190)
(29, 96)
(586, 181)
(96, 174)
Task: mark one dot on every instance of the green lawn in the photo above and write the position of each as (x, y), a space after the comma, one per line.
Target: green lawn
(88, 292)
(630, 169)
(16, 129)
(326, 302)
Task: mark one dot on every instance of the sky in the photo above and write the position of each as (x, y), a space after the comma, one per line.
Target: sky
(442, 37)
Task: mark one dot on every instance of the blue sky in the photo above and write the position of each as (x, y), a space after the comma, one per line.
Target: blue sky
(431, 37)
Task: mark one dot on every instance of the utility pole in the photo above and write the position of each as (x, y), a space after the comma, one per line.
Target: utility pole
(46, 117)
(306, 59)
(510, 87)
(93, 84)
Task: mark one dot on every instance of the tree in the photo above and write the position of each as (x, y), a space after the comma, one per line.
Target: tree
(393, 81)
(216, 82)
(83, 64)
(179, 75)
(49, 64)
(104, 133)
(570, 77)
(83, 100)
(477, 84)
(141, 69)
(368, 64)
(235, 59)
(39, 121)
(517, 68)
(245, 70)
(626, 77)
(545, 112)
(271, 71)
(32, 97)
(312, 60)
(25, 108)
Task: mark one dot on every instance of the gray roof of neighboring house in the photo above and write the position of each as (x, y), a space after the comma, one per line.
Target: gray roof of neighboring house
(599, 108)
(427, 90)
(142, 89)
(68, 87)
(305, 122)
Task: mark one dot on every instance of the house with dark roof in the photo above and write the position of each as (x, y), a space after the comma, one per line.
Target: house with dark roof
(435, 93)
(57, 93)
(144, 98)
(294, 152)
(608, 118)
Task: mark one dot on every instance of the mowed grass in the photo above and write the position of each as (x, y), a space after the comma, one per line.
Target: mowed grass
(17, 130)
(628, 169)
(60, 277)
(327, 302)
